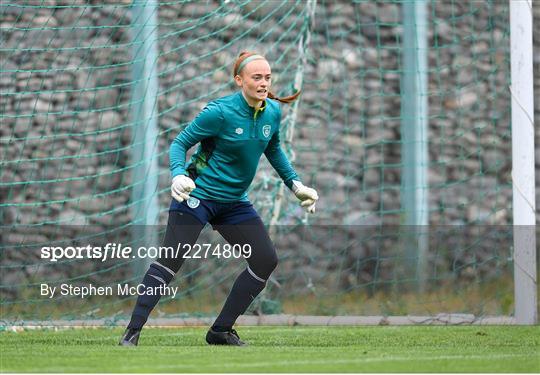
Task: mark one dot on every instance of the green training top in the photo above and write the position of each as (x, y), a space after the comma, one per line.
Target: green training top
(232, 137)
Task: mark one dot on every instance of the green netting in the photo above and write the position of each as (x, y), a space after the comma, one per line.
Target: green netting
(69, 107)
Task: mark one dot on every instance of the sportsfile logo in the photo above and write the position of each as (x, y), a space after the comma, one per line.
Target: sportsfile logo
(109, 251)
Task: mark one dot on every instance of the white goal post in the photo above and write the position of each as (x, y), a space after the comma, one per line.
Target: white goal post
(523, 166)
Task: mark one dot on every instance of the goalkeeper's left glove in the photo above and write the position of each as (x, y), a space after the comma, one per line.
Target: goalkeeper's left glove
(308, 196)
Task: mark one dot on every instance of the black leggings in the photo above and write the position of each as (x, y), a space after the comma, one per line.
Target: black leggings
(183, 228)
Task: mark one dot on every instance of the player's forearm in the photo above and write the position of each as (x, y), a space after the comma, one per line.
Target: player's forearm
(177, 155)
(282, 165)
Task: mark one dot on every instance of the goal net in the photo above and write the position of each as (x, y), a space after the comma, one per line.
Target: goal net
(94, 92)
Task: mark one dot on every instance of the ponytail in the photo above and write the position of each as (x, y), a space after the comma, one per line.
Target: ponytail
(285, 99)
(237, 69)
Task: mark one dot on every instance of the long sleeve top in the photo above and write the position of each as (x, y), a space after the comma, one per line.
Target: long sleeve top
(232, 136)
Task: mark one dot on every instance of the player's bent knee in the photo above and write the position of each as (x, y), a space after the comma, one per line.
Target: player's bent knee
(160, 273)
(170, 264)
(264, 267)
(270, 261)
(272, 264)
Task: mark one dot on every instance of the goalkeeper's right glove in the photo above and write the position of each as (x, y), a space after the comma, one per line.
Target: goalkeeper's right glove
(181, 187)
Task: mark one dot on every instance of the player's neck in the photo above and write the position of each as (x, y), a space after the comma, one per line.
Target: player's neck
(256, 104)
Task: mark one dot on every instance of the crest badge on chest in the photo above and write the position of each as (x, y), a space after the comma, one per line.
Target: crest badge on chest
(266, 130)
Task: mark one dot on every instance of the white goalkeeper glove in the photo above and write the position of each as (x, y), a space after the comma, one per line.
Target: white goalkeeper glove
(307, 196)
(181, 187)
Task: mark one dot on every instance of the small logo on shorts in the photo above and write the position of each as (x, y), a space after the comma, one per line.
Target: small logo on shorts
(239, 131)
(193, 202)
(266, 130)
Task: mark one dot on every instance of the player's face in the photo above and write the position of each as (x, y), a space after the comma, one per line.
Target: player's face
(255, 80)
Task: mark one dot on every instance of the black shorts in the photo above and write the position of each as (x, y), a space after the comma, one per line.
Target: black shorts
(216, 213)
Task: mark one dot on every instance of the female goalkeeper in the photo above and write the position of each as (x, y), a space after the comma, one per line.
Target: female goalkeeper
(233, 132)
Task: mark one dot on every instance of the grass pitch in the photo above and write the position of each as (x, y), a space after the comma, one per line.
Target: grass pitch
(278, 349)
